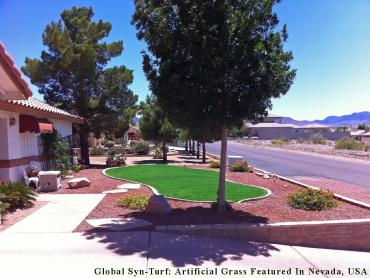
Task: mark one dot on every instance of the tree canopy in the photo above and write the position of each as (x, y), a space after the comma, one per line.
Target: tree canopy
(154, 125)
(213, 64)
(72, 73)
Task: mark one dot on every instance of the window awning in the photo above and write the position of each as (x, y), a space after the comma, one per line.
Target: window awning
(33, 124)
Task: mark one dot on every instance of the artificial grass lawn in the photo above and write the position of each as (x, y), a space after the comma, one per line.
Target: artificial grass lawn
(185, 183)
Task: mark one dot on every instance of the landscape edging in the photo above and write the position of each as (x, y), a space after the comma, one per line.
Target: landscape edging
(334, 234)
(337, 196)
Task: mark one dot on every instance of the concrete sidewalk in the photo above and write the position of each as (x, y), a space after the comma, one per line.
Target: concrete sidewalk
(62, 214)
(43, 245)
(80, 255)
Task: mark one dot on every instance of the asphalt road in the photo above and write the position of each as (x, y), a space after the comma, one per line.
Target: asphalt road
(291, 164)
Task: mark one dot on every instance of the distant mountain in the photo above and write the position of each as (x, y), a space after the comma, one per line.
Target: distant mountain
(353, 119)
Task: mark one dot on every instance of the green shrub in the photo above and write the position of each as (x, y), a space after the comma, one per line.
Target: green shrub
(240, 166)
(348, 143)
(109, 144)
(141, 147)
(214, 164)
(280, 141)
(55, 151)
(311, 199)
(318, 139)
(3, 206)
(133, 201)
(115, 160)
(98, 150)
(76, 168)
(116, 149)
(16, 195)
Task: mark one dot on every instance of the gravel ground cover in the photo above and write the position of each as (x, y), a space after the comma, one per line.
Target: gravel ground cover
(269, 210)
(185, 183)
(16, 216)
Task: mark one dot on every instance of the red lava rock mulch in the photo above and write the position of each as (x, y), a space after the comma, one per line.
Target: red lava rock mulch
(356, 192)
(16, 216)
(272, 209)
(99, 183)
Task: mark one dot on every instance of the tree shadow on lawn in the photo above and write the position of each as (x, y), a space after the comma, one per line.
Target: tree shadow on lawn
(182, 250)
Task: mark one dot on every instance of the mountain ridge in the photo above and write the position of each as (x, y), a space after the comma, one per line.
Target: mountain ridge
(353, 119)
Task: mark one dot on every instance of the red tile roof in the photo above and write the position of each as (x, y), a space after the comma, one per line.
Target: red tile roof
(39, 105)
(16, 75)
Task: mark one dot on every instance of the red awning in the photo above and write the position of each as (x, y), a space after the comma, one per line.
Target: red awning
(32, 124)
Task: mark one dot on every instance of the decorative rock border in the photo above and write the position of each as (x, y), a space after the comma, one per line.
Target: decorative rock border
(155, 192)
(350, 234)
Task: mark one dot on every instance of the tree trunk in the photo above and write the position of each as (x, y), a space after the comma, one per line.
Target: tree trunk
(164, 150)
(204, 152)
(193, 148)
(221, 181)
(186, 146)
(198, 153)
(84, 141)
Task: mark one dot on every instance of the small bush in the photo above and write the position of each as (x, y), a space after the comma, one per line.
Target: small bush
(214, 164)
(3, 206)
(348, 143)
(280, 141)
(141, 147)
(133, 201)
(318, 139)
(240, 166)
(301, 141)
(16, 195)
(109, 144)
(311, 199)
(76, 168)
(116, 149)
(115, 160)
(98, 150)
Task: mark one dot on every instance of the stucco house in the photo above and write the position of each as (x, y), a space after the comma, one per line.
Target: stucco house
(23, 119)
(272, 128)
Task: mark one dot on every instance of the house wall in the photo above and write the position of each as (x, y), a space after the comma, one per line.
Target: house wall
(269, 133)
(63, 127)
(18, 149)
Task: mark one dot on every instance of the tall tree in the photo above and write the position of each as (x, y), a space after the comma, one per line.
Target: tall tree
(214, 63)
(154, 125)
(72, 75)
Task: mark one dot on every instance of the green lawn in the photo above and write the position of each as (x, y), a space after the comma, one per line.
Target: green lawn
(185, 183)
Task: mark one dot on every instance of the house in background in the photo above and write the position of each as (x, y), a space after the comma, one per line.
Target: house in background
(272, 128)
(23, 119)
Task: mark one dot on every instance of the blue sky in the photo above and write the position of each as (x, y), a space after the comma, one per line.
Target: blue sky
(330, 40)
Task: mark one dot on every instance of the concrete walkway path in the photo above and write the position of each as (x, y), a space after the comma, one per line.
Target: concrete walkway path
(62, 214)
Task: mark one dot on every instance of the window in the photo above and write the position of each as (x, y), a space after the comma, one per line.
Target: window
(29, 144)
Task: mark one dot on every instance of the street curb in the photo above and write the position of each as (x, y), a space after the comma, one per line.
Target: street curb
(337, 196)
(155, 192)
